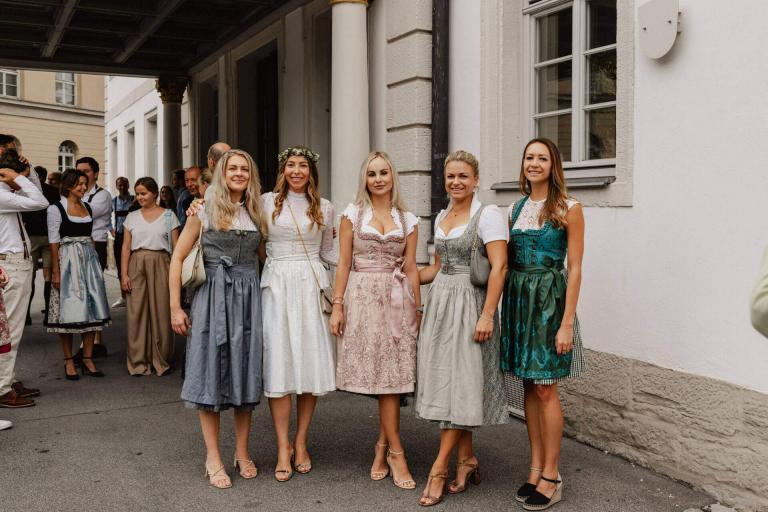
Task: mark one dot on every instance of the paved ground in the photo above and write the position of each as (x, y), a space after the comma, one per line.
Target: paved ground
(124, 443)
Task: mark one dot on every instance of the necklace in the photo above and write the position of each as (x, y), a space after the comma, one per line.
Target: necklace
(455, 213)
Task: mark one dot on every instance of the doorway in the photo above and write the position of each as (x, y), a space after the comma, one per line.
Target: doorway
(257, 111)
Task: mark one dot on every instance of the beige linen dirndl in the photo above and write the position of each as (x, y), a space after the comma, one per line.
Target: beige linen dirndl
(150, 338)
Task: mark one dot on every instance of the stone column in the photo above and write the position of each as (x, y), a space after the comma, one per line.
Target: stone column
(171, 91)
(350, 140)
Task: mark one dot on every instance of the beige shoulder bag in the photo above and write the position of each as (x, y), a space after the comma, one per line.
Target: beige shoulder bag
(326, 294)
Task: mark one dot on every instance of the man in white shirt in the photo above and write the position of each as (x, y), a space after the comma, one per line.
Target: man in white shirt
(17, 194)
(100, 201)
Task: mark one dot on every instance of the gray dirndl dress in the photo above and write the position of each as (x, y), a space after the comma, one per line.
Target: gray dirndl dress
(224, 349)
(459, 381)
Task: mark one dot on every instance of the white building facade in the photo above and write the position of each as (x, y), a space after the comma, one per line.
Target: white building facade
(663, 153)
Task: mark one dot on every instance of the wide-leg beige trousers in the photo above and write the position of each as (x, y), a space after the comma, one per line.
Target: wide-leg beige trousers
(150, 338)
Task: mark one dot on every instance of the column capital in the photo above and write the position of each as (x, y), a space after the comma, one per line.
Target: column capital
(334, 2)
(171, 88)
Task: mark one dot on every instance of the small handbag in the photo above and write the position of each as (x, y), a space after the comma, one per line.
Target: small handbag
(193, 268)
(326, 294)
(479, 265)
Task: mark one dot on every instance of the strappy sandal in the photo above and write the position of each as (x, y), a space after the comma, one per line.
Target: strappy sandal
(70, 376)
(218, 479)
(287, 472)
(403, 484)
(525, 490)
(473, 476)
(429, 501)
(539, 501)
(302, 467)
(244, 465)
(380, 475)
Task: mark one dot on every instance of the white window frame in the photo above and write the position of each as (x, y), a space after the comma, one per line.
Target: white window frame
(64, 83)
(579, 165)
(10, 72)
(65, 156)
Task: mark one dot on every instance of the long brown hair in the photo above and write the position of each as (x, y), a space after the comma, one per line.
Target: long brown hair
(314, 212)
(556, 205)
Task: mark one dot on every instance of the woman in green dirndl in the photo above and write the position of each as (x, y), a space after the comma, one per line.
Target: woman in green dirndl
(540, 338)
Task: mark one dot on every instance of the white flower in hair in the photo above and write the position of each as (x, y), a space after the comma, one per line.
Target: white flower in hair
(298, 151)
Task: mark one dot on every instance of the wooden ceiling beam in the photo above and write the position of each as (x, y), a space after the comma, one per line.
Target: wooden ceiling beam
(63, 18)
(148, 27)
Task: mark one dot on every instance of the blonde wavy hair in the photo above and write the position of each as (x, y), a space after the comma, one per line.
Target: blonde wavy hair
(556, 205)
(363, 198)
(219, 207)
(464, 156)
(314, 212)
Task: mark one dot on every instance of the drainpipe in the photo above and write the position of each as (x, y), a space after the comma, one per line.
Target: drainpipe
(440, 129)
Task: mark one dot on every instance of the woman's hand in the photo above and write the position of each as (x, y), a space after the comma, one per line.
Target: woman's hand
(195, 207)
(564, 339)
(125, 284)
(3, 278)
(180, 322)
(337, 320)
(56, 279)
(483, 329)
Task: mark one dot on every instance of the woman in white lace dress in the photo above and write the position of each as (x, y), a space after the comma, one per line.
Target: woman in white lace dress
(298, 349)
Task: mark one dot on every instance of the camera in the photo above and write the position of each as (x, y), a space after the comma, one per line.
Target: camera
(10, 160)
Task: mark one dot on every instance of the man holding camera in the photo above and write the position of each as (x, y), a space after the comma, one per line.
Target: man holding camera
(17, 194)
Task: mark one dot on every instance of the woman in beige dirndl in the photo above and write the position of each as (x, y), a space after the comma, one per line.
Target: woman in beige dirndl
(150, 235)
(376, 306)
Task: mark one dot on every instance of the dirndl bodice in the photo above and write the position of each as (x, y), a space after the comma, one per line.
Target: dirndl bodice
(534, 302)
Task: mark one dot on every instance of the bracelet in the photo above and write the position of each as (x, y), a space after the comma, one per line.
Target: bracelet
(338, 300)
(420, 309)
(483, 316)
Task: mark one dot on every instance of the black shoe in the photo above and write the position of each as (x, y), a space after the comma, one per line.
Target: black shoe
(538, 501)
(88, 373)
(99, 351)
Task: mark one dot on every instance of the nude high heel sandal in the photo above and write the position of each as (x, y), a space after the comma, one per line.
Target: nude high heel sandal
(380, 475)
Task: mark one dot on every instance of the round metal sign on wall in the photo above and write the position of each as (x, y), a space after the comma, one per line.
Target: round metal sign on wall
(659, 24)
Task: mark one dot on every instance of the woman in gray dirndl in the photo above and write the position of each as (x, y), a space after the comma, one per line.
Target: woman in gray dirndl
(78, 302)
(459, 381)
(224, 344)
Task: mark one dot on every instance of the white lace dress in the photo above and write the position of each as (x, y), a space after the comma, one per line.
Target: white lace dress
(298, 347)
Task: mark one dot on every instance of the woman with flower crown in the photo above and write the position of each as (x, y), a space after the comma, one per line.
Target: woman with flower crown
(298, 348)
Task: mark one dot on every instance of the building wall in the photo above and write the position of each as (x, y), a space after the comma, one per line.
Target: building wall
(677, 375)
(42, 125)
(132, 104)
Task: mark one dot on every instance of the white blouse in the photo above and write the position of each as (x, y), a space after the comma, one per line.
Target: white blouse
(491, 226)
(54, 221)
(529, 215)
(299, 203)
(411, 221)
(155, 235)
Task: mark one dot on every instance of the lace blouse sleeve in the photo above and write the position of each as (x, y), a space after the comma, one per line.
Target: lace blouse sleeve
(411, 221)
(350, 212)
(328, 251)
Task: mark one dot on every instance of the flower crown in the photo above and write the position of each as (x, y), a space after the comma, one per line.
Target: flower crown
(298, 151)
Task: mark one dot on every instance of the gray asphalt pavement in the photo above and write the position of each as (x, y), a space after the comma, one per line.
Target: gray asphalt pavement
(125, 443)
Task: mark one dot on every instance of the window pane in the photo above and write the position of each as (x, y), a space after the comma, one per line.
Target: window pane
(11, 79)
(601, 133)
(557, 129)
(11, 90)
(554, 35)
(554, 87)
(59, 92)
(69, 98)
(601, 23)
(601, 78)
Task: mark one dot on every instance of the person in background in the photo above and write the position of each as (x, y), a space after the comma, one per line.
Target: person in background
(215, 152)
(168, 199)
(79, 298)
(100, 201)
(54, 179)
(150, 236)
(206, 175)
(17, 194)
(191, 178)
(759, 301)
(10, 142)
(37, 229)
(178, 181)
(121, 205)
(5, 333)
